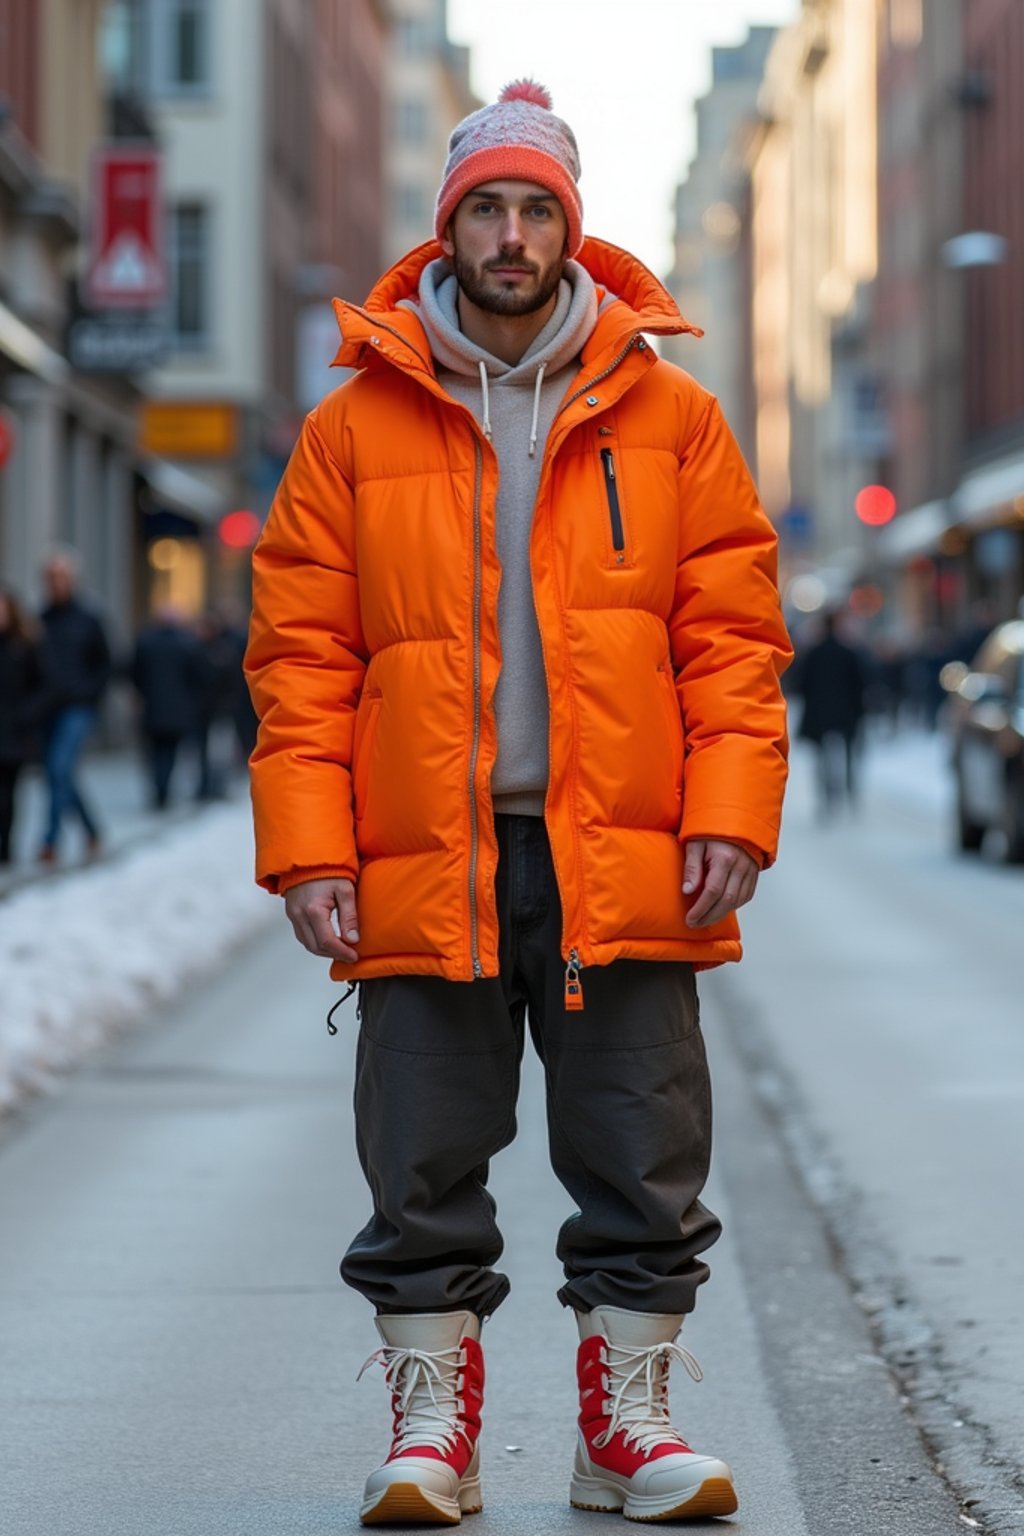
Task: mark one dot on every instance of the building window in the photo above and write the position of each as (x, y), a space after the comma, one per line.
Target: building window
(121, 51)
(411, 206)
(190, 276)
(412, 122)
(181, 46)
(414, 36)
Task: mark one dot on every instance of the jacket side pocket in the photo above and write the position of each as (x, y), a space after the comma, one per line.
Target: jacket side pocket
(366, 729)
(674, 721)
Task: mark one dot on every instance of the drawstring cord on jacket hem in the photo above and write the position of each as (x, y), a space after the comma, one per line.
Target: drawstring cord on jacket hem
(353, 986)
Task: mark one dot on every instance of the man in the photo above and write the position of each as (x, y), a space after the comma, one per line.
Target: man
(831, 677)
(75, 658)
(515, 650)
(168, 672)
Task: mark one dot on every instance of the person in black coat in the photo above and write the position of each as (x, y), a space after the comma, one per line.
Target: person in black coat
(832, 678)
(21, 685)
(76, 663)
(168, 671)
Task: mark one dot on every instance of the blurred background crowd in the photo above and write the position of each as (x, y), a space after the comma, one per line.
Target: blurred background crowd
(184, 184)
(55, 671)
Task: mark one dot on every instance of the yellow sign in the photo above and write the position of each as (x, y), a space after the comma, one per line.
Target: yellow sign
(175, 429)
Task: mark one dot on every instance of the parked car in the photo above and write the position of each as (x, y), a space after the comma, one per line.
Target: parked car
(984, 715)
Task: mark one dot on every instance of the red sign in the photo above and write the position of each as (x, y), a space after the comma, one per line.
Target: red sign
(6, 438)
(126, 248)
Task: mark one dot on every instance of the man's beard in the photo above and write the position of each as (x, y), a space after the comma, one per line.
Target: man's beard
(508, 301)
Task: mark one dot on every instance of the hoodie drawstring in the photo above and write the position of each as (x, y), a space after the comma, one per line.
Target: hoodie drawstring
(535, 421)
(487, 401)
(534, 424)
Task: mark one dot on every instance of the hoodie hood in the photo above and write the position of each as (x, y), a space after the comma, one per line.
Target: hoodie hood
(555, 347)
(561, 340)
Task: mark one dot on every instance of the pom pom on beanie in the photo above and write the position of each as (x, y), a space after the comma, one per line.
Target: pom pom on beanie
(516, 138)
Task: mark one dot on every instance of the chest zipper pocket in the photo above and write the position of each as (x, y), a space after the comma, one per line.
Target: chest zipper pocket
(611, 486)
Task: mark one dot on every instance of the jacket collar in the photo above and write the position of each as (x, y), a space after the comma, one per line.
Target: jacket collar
(380, 328)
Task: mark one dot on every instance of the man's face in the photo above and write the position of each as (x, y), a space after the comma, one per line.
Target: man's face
(59, 580)
(507, 242)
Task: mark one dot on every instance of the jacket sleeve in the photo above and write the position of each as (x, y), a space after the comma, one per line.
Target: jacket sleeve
(305, 664)
(729, 647)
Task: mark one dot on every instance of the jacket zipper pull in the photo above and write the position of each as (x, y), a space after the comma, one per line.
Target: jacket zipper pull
(573, 984)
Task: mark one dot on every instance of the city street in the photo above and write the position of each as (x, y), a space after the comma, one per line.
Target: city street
(177, 1355)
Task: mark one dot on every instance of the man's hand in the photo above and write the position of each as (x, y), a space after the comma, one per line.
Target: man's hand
(311, 907)
(721, 875)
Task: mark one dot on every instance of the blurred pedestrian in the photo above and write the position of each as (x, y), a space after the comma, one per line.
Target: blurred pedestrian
(76, 663)
(832, 679)
(566, 787)
(226, 697)
(240, 705)
(167, 670)
(21, 695)
(220, 666)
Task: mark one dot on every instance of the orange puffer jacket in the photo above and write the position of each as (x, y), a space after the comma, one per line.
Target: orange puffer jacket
(374, 650)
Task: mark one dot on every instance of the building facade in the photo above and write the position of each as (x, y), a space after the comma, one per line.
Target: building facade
(947, 326)
(428, 92)
(710, 279)
(71, 468)
(813, 253)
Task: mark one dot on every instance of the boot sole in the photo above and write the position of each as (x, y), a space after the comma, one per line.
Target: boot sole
(715, 1496)
(408, 1504)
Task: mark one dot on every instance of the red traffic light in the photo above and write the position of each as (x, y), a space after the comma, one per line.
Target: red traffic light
(239, 530)
(875, 505)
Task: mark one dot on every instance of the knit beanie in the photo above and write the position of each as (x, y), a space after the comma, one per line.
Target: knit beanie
(517, 138)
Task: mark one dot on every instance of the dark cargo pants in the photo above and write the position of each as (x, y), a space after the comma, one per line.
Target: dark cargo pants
(628, 1107)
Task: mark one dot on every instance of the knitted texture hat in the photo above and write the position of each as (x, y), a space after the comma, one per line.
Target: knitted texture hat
(517, 138)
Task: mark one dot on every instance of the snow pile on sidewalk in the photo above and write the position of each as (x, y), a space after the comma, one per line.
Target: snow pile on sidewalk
(89, 954)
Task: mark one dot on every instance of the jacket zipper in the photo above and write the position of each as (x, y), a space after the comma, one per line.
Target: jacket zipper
(633, 341)
(474, 751)
(381, 325)
(474, 835)
(573, 984)
(614, 509)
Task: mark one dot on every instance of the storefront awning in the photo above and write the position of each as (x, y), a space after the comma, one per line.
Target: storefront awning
(916, 532)
(991, 491)
(179, 491)
(27, 349)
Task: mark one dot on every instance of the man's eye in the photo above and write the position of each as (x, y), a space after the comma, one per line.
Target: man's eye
(484, 208)
(542, 211)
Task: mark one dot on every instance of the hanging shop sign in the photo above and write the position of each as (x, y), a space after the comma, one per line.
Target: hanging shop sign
(173, 429)
(126, 266)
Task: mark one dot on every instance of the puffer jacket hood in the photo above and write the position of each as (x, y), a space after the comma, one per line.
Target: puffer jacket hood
(374, 651)
(643, 305)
